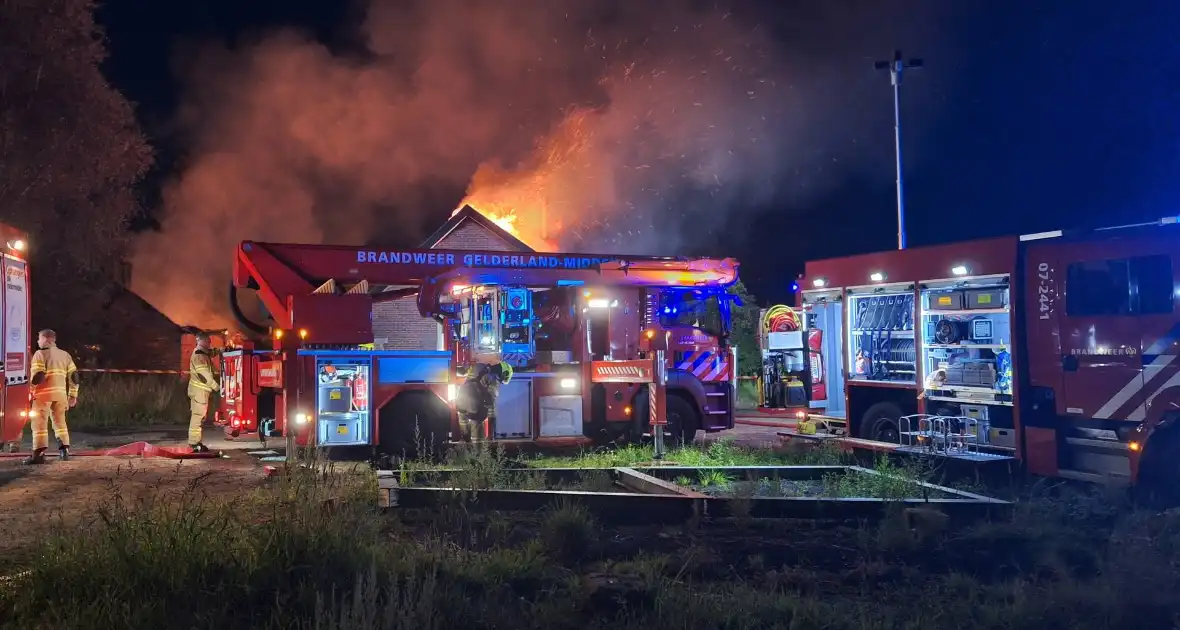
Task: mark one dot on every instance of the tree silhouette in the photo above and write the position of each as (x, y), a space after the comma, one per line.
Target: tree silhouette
(71, 153)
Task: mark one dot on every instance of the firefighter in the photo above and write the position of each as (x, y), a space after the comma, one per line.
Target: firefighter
(476, 400)
(202, 382)
(55, 389)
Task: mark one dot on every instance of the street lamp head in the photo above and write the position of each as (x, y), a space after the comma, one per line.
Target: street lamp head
(897, 63)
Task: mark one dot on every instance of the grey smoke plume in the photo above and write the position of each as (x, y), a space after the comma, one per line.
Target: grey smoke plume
(633, 127)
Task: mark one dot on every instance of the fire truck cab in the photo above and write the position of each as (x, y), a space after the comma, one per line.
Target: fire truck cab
(1057, 350)
(570, 324)
(569, 333)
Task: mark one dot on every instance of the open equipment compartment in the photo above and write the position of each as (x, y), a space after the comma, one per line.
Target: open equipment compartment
(781, 337)
(342, 400)
(824, 325)
(881, 334)
(966, 355)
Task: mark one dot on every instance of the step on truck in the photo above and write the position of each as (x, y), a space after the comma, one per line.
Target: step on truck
(1055, 350)
(579, 330)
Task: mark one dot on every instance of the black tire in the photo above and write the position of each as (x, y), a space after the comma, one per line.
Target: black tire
(414, 425)
(683, 420)
(1158, 483)
(881, 423)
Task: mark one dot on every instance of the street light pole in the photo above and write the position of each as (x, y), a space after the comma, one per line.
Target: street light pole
(896, 66)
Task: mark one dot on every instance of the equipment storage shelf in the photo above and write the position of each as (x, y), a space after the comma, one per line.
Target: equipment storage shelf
(342, 401)
(966, 329)
(881, 334)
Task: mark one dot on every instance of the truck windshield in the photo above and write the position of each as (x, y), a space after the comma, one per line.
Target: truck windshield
(705, 310)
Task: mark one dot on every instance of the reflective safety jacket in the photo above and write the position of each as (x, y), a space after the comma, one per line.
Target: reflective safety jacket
(201, 377)
(479, 392)
(53, 375)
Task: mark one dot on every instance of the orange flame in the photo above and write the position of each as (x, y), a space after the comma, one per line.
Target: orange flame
(535, 202)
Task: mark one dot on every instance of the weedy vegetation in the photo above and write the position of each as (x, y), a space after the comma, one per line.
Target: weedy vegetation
(120, 401)
(312, 550)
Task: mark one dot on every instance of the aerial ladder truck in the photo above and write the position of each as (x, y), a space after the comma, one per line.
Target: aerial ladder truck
(581, 332)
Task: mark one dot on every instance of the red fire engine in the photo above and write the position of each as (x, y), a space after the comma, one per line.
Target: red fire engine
(1058, 350)
(14, 321)
(569, 324)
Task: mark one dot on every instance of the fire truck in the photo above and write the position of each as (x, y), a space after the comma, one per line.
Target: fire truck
(579, 330)
(1057, 350)
(14, 321)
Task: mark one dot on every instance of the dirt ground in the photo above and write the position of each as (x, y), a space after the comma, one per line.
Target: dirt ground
(56, 494)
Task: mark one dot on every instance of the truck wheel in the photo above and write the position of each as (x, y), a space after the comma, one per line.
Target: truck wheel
(683, 421)
(414, 425)
(880, 423)
(1158, 484)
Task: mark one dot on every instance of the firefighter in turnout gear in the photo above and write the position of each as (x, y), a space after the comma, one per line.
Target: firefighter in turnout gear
(202, 382)
(54, 378)
(476, 399)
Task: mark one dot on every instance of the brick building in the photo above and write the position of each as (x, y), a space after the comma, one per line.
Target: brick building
(397, 324)
(130, 335)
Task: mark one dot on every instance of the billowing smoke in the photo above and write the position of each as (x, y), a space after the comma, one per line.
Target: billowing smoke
(638, 127)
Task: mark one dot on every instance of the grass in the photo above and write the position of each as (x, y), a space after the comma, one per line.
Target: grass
(312, 551)
(489, 468)
(747, 395)
(719, 453)
(115, 401)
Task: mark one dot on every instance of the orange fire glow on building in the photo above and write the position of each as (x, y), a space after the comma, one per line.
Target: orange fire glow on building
(532, 232)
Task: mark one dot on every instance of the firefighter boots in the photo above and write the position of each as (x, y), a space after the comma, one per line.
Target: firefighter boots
(63, 452)
(38, 457)
(199, 447)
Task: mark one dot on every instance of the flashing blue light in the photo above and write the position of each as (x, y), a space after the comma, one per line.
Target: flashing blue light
(570, 283)
(675, 310)
(794, 286)
(667, 309)
(526, 321)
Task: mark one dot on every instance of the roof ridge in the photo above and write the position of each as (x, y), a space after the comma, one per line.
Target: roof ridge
(466, 213)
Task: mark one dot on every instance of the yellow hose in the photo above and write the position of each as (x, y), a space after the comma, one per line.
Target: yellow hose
(776, 311)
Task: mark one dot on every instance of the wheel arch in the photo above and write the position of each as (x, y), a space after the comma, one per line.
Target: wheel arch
(861, 398)
(393, 429)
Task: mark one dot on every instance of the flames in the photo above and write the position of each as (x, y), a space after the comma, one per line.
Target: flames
(532, 233)
(539, 200)
(507, 222)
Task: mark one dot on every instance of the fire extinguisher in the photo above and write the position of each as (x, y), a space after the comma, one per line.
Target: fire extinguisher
(815, 342)
(360, 393)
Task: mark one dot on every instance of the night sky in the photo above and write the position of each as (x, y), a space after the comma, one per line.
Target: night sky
(1027, 115)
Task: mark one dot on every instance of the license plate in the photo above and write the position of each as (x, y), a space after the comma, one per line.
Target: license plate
(342, 429)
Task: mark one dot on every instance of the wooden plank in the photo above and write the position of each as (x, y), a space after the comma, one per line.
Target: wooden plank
(646, 484)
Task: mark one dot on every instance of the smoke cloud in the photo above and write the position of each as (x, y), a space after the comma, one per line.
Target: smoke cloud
(639, 127)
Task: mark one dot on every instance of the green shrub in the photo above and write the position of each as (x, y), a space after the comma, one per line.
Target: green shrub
(747, 395)
(569, 531)
(130, 400)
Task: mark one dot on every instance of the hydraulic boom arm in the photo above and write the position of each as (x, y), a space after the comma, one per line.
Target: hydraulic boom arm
(328, 291)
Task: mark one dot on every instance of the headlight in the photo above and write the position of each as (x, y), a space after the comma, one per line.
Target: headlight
(300, 418)
(568, 383)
